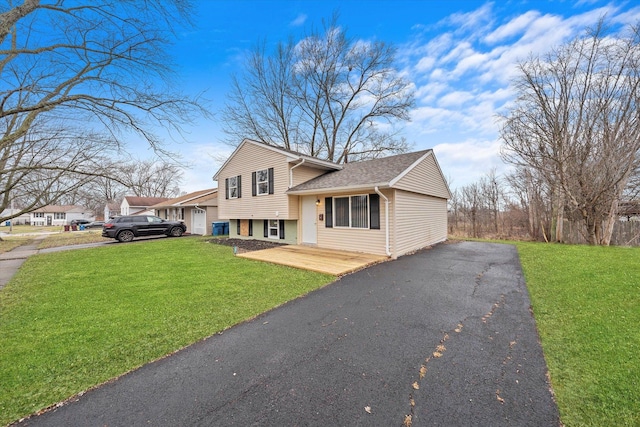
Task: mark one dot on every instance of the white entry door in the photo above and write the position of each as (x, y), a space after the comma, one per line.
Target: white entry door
(309, 221)
(199, 222)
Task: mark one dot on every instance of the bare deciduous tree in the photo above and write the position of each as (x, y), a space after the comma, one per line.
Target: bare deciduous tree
(575, 122)
(327, 95)
(151, 179)
(78, 78)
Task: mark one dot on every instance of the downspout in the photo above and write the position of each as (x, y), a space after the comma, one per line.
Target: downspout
(291, 172)
(386, 219)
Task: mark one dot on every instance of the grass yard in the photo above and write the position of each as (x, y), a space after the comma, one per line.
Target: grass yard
(73, 238)
(74, 319)
(586, 302)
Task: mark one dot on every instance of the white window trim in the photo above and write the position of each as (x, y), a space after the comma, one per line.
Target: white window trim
(229, 187)
(277, 228)
(334, 211)
(258, 182)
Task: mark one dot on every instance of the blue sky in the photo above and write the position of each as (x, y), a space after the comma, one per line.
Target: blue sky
(460, 55)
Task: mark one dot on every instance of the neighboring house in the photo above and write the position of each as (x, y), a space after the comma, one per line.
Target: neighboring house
(60, 215)
(111, 210)
(134, 205)
(629, 211)
(198, 210)
(388, 206)
(18, 220)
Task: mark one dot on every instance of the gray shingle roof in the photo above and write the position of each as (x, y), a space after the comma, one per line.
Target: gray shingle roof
(365, 173)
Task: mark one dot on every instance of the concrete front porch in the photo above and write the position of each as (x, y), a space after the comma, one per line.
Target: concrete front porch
(327, 261)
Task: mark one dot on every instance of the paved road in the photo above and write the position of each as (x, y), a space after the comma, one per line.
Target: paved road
(351, 354)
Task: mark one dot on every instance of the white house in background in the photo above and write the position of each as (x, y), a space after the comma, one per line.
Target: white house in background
(60, 215)
(19, 220)
(111, 210)
(197, 210)
(134, 205)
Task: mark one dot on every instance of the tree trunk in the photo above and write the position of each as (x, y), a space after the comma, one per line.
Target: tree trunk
(609, 223)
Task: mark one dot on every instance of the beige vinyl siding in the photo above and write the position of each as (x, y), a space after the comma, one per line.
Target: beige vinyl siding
(248, 159)
(211, 215)
(420, 221)
(305, 173)
(352, 239)
(425, 178)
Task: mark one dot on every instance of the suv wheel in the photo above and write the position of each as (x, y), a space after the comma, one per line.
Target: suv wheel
(125, 236)
(176, 232)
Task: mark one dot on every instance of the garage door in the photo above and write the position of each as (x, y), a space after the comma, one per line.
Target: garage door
(199, 222)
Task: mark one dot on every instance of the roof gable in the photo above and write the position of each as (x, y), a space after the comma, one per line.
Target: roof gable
(380, 172)
(292, 156)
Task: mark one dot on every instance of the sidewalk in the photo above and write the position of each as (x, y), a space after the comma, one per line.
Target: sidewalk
(11, 261)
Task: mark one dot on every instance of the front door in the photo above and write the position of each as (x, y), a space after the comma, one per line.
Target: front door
(309, 221)
(49, 220)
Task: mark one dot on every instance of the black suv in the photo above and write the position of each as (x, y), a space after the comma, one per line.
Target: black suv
(125, 228)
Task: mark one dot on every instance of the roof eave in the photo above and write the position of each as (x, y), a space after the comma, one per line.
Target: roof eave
(344, 189)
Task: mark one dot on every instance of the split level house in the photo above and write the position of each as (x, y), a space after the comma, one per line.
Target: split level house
(198, 210)
(59, 215)
(388, 206)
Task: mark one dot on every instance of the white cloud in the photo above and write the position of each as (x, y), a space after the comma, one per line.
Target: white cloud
(299, 20)
(513, 27)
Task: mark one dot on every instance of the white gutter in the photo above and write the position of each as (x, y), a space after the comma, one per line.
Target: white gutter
(291, 172)
(386, 219)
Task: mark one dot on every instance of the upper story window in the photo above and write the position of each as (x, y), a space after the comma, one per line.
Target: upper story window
(60, 215)
(233, 187)
(38, 214)
(262, 182)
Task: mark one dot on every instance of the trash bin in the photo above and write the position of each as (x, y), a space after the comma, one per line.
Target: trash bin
(218, 228)
(74, 228)
(81, 227)
(66, 228)
(226, 229)
(7, 223)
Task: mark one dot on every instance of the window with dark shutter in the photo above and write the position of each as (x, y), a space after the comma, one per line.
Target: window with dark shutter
(238, 227)
(250, 227)
(226, 188)
(270, 180)
(328, 212)
(239, 186)
(281, 229)
(266, 228)
(374, 211)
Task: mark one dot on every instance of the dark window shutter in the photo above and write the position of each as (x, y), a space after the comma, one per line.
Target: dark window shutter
(253, 183)
(374, 211)
(226, 188)
(250, 227)
(239, 186)
(328, 212)
(281, 226)
(266, 228)
(238, 226)
(270, 180)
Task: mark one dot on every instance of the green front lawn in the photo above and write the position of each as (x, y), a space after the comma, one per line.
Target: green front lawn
(74, 319)
(586, 301)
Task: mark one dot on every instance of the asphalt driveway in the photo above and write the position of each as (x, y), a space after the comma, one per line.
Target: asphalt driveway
(444, 336)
